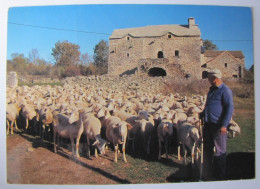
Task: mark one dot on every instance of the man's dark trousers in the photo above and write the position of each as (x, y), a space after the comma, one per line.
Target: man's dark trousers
(214, 166)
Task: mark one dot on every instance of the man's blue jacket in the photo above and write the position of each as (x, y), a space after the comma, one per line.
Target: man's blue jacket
(219, 105)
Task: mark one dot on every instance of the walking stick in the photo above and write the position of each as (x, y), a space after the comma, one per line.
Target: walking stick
(202, 152)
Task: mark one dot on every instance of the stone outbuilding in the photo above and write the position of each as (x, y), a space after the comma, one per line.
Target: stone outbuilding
(167, 50)
(231, 63)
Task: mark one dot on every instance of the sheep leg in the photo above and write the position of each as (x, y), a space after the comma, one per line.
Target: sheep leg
(166, 148)
(42, 128)
(54, 141)
(88, 146)
(148, 145)
(73, 146)
(8, 127)
(27, 124)
(179, 152)
(123, 149)
(77, 147)
(96, 153)
(160, 150)
(193, 154)
(197, 153)
(12, 127)
(185, 154)
(15, 125)
(116, 149)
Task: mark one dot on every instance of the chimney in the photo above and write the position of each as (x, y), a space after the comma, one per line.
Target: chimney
(191, 21)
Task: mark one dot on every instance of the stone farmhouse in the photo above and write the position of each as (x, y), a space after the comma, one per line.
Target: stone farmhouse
(168, 50)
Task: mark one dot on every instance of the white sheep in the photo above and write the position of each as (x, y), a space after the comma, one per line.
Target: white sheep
(62, 127)
(234, 128)
(116, 132)
(92, 130)
(45, 117)
(129, 118)
(188, 136)
(146, 131)
(12, 113)
(29, 113)
(164, 132)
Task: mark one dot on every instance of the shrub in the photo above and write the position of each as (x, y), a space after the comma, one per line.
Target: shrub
(187, 88)
(240, 88)
(71, 71)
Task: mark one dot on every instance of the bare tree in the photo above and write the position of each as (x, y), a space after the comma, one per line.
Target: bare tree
(34, 56)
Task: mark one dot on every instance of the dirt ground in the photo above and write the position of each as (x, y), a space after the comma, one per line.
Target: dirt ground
(32, 161)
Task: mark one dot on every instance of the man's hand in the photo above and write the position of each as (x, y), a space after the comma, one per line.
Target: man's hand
(223, 130)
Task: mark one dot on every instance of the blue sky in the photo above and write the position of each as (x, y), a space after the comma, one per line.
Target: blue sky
(229, 27)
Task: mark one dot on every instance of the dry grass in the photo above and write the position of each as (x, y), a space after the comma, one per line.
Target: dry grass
(239, 88)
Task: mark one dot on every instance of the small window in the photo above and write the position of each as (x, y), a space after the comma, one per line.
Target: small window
(160, 54)
(128, 38)
(127, 55)
(169, 36)
(234, 76)
(176, 53)
(225, 65)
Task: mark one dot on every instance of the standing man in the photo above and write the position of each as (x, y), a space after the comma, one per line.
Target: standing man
(217, 114)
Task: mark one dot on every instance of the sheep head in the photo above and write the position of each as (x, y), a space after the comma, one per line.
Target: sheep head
(100, 144)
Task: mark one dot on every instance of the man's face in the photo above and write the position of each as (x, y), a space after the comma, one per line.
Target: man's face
(212, 79)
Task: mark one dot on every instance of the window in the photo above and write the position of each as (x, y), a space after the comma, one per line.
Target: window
(169, 36)
(240, 71)
(127, 55)
(128, 38)
(225, 65)
(176, 53)
(160, 54)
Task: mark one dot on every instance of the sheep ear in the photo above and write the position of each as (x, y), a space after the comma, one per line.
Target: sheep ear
(95, 143)
(174, 118)
(129, 126)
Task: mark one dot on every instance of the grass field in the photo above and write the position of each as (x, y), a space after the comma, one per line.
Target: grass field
(244, 115)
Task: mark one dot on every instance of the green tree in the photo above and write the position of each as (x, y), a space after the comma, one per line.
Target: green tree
(208, 45)
(101, 56)
(66, 54)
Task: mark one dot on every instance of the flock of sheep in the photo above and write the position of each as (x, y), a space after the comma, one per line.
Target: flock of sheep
(104, 115)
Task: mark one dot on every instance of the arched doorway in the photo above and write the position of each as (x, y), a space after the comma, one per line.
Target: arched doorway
(156, 72)
(160, 54)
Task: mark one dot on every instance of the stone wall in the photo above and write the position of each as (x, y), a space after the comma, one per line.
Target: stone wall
(12, 79)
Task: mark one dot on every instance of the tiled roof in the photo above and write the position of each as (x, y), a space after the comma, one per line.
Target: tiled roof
(156, 30)
(213, 53)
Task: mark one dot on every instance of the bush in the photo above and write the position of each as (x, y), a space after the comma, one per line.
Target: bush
(71, 71)
(240, 88)
(187, 88)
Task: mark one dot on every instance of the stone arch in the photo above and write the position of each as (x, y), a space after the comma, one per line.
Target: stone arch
(156, 72)
(160, 54)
